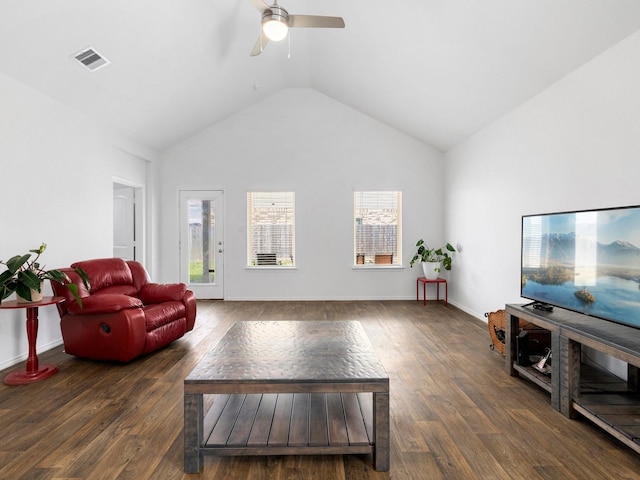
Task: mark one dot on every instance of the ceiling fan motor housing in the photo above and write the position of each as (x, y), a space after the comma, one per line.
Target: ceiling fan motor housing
(277, 14)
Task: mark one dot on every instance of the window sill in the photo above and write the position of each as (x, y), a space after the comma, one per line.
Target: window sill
(377, 267)
(270, 267)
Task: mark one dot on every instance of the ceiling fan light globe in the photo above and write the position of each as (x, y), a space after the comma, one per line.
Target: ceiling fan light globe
(275, 30)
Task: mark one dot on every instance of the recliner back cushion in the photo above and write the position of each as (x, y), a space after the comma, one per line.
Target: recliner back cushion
(117, 289)
(106, 272)
(139, 274)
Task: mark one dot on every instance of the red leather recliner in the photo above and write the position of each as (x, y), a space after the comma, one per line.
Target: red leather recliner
(123, 315)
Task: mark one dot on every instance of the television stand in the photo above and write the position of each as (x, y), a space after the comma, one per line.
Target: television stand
(576, 388)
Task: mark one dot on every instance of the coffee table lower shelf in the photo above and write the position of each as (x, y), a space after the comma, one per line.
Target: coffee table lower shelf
(289, 424)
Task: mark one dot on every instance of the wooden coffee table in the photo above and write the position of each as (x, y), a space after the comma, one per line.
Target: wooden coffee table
(288, 388)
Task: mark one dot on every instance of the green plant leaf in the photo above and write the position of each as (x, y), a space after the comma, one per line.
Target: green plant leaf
(85, 278)
(6, 290)
(40, 249)
(4, 276)
(28, 279)
(14, 263)
(57, 276)
(73, 288)
(24, 291)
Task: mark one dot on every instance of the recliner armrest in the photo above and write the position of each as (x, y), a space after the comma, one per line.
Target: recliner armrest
(105, 303)
(153, 293)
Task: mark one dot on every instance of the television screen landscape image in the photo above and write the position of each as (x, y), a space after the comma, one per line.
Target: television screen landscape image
(586, 261)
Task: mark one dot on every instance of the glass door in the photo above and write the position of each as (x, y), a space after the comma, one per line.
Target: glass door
(201, 242)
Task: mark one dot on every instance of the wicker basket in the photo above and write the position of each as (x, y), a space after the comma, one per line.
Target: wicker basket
(497, 328)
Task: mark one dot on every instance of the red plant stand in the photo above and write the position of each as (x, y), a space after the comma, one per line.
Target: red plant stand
(437, 281)
(32, 372)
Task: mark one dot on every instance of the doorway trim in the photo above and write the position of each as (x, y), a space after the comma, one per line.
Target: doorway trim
(140, 219)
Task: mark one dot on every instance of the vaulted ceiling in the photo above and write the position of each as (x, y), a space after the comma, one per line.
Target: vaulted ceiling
(438, 70)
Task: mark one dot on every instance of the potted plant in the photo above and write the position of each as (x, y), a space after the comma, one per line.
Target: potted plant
(24, 276)
(432, 259)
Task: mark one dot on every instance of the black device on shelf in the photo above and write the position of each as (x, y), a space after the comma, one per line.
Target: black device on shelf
(522, 347)
(530, 342)
(587, 261)
(542, 306)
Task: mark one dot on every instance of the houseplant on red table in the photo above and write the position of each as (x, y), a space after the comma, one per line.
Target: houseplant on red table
(25, 275)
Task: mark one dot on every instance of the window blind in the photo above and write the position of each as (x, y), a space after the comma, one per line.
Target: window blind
(271, 229)
(377, 228)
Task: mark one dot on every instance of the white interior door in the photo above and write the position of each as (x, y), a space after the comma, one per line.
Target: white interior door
(124, 231)
(201, 242)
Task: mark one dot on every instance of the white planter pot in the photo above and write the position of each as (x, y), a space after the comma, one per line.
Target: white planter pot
(431, 269)
(36, 296)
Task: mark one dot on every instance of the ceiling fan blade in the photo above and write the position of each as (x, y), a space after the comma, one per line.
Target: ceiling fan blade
(260, 44)
(315, 21)
(260, 5)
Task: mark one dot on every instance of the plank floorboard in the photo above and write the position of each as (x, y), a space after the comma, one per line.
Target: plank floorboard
(318, 422)
(455, 413)
(242, 428)
(224, 426)
(299, 430)
(357, 407)
(263, 421)
(337, 426)
(279, 436)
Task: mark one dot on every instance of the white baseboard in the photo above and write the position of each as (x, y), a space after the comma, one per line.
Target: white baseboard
(21, 358)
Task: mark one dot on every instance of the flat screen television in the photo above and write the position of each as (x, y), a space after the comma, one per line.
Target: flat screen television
(587, 261)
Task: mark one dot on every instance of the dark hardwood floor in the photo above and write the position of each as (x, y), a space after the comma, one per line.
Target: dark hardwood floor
(455, 413)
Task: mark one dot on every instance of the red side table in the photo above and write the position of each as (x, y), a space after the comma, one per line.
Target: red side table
(437, 281)
(32, 371)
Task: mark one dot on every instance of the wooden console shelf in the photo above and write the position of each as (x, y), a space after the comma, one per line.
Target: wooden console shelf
(575, 387)
(515, 313)
(543, 381)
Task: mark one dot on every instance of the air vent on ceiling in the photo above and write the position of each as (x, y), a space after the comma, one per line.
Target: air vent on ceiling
(91, 59)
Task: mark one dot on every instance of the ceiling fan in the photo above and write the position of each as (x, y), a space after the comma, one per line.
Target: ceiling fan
(276, 22)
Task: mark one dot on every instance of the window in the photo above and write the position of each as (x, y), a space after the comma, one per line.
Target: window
(201, 244)
(377, 228)
(271, 229)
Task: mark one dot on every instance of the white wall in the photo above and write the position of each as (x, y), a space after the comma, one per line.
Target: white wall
(574, 146)
(300, 140)
(56, 171)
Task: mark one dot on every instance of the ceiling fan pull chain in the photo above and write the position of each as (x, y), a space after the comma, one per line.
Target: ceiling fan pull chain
(289, 41)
